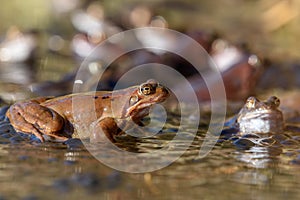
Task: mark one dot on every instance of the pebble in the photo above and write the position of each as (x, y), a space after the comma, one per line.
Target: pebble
(294, 129)
(33, 138)
(279, 137)
(171, 129)
(250, 135)
(267, 141)
(4, 122)
(29, 137)
(243, 143)
(230, 122)
(3, 110)
(74, 143)
(16, 139)
(290, 142)
(6, 128)
(234, 138)
(24, 135)
(6, 135)
(227, 133)
(221, 140)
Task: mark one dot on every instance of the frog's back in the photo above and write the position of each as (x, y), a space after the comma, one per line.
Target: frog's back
(80, 102)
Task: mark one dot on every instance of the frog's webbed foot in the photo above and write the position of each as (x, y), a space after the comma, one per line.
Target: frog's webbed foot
(21, 125)
(55, 138)
(32, 118)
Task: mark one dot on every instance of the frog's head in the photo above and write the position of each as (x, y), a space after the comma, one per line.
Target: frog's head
(260, 117)
(144, 96)
(253, 105)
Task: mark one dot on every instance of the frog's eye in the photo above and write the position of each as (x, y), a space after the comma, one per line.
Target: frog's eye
(274, 101)
(146, 89)
(133, 100)
(251, 102)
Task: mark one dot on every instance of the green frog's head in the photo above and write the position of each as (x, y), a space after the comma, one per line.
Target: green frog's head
(260, 117)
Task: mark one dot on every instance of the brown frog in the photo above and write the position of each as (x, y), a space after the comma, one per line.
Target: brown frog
(54, 118)
(260, 117)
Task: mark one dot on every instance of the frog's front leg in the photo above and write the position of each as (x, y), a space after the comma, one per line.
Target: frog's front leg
(106, 127)
(32, 118)
(110, 127)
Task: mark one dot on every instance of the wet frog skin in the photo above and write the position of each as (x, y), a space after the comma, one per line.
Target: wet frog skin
(53, 118)
(260, 117)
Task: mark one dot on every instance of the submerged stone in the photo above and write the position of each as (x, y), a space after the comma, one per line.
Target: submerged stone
(243, 143)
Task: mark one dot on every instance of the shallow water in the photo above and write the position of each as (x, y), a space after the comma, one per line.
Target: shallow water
(31, 170)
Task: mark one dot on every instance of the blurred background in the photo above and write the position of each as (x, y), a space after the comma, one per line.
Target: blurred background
(44, 42)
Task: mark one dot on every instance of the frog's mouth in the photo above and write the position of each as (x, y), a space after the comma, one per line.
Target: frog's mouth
(141, 109)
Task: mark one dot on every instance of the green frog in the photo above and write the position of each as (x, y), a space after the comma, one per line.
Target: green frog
(260, 117)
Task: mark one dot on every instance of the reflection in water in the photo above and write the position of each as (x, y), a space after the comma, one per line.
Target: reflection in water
(252, 176)
(263, 163)
(256, 158)
(76, 174)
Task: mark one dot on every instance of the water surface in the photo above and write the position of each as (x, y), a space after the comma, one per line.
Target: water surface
(54, 170)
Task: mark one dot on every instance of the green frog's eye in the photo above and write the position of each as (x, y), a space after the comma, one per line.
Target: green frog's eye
(251, 102)
(147, 89)
(274, 101)
(133, 100)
